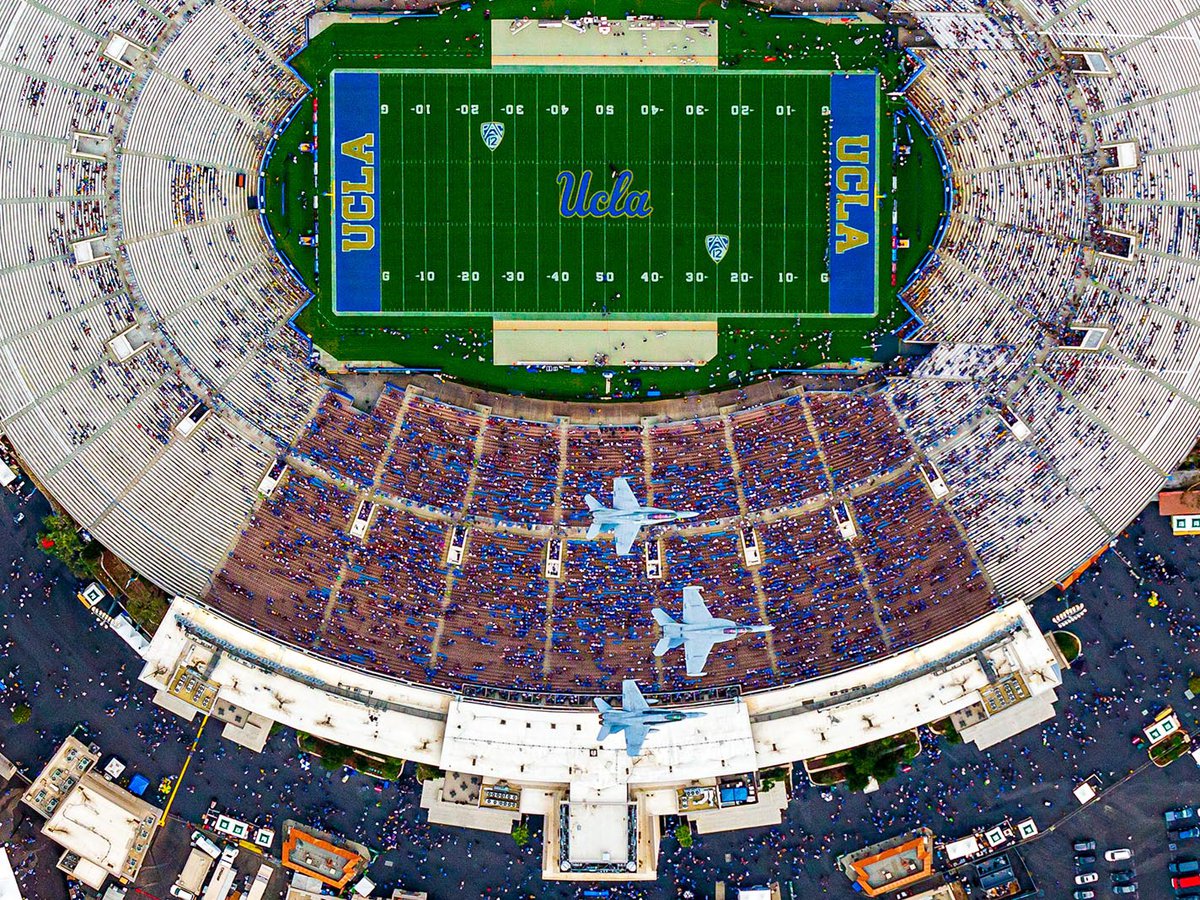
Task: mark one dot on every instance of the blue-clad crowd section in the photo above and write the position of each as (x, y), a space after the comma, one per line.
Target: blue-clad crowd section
(356, 236)
(853, 161)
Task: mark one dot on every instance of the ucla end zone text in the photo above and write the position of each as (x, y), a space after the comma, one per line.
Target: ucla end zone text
(549, 201)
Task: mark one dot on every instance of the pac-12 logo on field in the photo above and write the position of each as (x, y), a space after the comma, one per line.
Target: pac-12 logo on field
(492, 133)
(717, 246)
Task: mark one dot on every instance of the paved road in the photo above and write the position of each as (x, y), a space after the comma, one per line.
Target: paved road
(77, 673)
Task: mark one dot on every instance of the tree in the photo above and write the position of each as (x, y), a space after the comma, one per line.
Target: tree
(61, 539)
(334, 756)
(683, 834)
(769, 777)
(21, 713)
(1194, 684)
(951, 734)
(427, 772)
(876, 760)
(520, 834)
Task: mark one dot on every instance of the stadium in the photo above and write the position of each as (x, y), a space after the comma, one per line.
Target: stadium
(347, 413)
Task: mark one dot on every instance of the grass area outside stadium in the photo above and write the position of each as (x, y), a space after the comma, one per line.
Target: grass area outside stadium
(461, 345)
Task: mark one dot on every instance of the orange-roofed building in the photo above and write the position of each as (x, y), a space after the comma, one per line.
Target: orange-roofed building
(1183, 508)
(315, 853)
(891, 865)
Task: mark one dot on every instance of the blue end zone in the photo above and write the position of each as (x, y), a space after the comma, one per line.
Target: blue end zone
(357, 286)
(853, 159)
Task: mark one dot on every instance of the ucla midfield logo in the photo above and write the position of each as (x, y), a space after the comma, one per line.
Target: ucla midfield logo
(576, 199)
(717, 246)
(492, 134)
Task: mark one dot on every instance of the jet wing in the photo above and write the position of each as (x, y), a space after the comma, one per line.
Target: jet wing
(626, 534)
(623, 495)
(635, 736)
(631, 698)
(694, 609)
(695, 653)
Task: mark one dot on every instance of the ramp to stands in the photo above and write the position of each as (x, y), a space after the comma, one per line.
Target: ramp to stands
(589, 342)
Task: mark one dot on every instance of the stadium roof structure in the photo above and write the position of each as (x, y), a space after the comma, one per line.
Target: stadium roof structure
(482, 738)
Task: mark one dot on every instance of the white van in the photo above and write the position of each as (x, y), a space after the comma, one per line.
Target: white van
(200, 842)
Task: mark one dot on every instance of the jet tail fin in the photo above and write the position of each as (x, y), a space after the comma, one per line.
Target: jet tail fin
(663, 645)
(592, 503)
(605, 728)
(662, 617)
(594, 530)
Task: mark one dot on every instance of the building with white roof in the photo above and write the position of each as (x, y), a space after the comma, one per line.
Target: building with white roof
(998, 675)
(103, 829)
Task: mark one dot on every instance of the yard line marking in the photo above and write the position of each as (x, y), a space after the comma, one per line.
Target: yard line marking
(470, 211)
(649, 232)
(784, 193)
(537, 193)
(403, 261)
(604, 153)
(741, 243)
(762, 195)
(673, 113)
(515, 214)
(582, 301)
(424, 198)
(492, 191)
(695, 177)
(446, 273)
(558, 262)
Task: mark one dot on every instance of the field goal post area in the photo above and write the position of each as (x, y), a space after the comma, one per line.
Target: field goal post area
(852, 254)
(583, 342)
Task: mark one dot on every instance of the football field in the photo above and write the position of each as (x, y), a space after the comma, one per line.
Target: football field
(585, 192)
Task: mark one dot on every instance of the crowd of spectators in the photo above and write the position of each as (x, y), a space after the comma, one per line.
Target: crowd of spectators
(393, 602)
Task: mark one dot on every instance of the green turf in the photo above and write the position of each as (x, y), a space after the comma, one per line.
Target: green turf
(477, 232)
(750, 345)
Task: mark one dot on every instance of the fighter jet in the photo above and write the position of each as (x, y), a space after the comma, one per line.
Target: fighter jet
(635, 717)
(627, 516)
(698, 631)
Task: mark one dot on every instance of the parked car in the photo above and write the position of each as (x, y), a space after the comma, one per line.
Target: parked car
(1183, 814)
(1124, 876)
(1084, 860)
(1125, 888)
(1118, 853)
(1084, 895)
(1087, 878)
(1183, 867)
(1184, 834)
(1084, 846)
